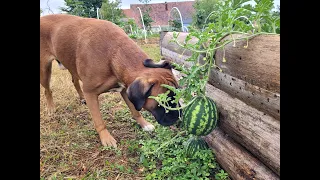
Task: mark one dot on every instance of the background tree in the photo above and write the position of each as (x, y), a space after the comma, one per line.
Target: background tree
(111, 11)
(84, 8)
(40, 11)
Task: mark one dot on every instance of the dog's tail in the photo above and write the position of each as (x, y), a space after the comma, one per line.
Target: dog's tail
(60, 65)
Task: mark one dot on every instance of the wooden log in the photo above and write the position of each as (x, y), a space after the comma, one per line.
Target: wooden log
(258, 64)
(238, 163)
(258, 133)
(173, 56)
(166, 37)
(264, 100)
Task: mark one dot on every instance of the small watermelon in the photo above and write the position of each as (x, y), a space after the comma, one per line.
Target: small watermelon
(195, 144)
(200, 117)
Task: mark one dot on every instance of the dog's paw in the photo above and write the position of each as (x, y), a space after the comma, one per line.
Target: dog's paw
(107, 139)
(148, 127)
(51, 110)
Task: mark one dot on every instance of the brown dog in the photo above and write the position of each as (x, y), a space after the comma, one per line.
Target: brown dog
(103, 57)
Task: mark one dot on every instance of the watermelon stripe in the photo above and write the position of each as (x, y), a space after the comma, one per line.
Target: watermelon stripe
(205, 116)
(200, 118)
(209, 124)
(197, 118)
(216, 113)
(213, 116)
(186, 114)
(194, 118)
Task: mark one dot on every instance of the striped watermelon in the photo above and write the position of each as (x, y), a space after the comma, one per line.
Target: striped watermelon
(201, 117)
(195, 144)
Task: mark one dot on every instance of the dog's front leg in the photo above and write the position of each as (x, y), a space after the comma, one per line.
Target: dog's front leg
(93, 105)
(136, 114)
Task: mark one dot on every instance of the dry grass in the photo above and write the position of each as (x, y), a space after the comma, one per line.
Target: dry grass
(69, 145)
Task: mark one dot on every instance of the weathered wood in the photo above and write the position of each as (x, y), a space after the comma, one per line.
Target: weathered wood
(256, 96)
(258, 64)
(258, 133)
(167, 37)
(264, 100)
(233, 158)
(173, 56)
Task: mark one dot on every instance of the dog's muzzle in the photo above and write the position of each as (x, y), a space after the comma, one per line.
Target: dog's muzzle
(166, 119)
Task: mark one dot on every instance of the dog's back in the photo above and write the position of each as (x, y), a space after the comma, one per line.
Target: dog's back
(70, 38)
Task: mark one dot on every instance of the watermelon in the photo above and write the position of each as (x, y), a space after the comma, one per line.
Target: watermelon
(195, 144)
(201, 116)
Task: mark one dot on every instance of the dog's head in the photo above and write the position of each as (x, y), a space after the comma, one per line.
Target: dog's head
(149, 84)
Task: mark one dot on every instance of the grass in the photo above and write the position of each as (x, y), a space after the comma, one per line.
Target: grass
(69, 145)
(152, 50)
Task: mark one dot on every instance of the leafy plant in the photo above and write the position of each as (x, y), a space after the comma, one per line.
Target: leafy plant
(221, 175)
(133, 36)
(162, 155)
(264, 19)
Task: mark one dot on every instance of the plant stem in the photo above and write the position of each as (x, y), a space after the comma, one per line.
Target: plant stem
(170, 108)
(167, 143)
(227, 42)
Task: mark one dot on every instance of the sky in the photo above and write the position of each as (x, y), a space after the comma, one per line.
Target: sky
(55, 4)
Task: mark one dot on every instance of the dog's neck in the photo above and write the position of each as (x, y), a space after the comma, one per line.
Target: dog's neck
(128, 78)
(128, 66)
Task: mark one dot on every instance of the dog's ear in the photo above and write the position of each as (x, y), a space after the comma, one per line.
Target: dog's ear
(151, 64)
(138, 91)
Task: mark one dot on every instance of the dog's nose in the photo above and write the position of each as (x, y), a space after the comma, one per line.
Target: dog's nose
(166, 119)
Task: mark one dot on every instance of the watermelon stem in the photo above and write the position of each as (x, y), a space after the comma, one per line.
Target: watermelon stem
(168, 107)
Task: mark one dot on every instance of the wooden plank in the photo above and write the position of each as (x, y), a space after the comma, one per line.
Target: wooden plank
(258, 133)
(165, 42)
(173, 56)
(233, 158)
(258, 64)
(264, 100)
